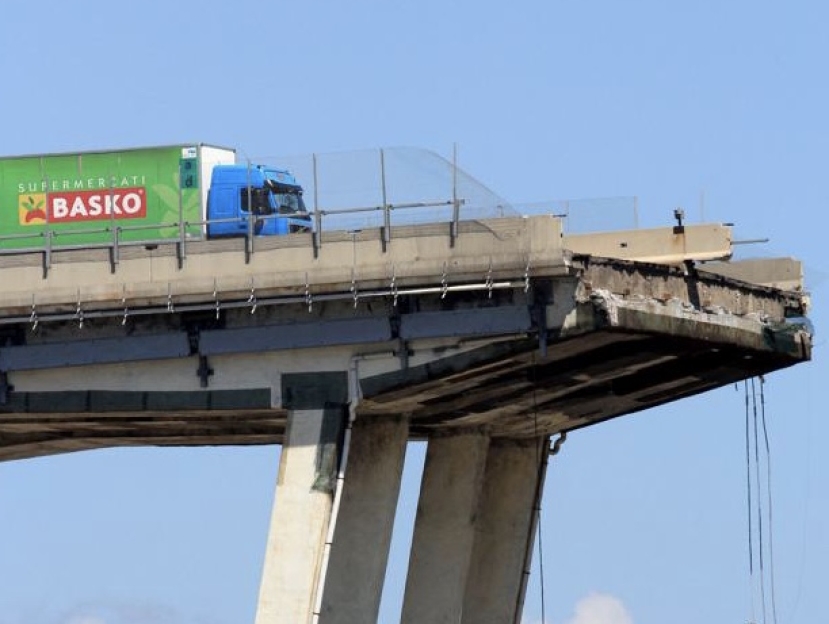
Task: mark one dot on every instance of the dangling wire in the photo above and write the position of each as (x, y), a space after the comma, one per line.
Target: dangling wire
(749, 508)
(768, 498)
(538, 501)
(759, 500)
(754, 421)
(541, 564)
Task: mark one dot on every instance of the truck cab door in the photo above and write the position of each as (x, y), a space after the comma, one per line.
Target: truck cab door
(260, 199)
(223, 203)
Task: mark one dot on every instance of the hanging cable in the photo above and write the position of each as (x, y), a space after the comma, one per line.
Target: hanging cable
(541, 564)
(759, 501)
(768, 499)
(539, 459)
(756, 491)
(749, 508)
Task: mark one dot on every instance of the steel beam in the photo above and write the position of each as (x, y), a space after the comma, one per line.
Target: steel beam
(94, 351)
(322, 333)
(464, 323)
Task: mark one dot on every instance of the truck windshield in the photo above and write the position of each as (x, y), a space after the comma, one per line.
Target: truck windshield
(288, 196)
(290, 202)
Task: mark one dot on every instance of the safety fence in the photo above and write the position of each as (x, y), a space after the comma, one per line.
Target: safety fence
(345, 191)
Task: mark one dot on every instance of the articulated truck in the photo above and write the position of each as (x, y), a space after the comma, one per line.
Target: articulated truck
(195, 191)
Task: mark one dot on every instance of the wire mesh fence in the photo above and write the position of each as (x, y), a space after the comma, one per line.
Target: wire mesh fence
(350, 190)
(354, 190)
(580, 216)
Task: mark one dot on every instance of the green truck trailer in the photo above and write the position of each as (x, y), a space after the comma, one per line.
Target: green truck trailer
(141, 195)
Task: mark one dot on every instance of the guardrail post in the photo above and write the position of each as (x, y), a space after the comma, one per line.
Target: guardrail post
(181, 251)
(114, 251)
(456, 206)
(250, 232)
(47, 251)
(316, 236)
(47, 233)
(386, 207)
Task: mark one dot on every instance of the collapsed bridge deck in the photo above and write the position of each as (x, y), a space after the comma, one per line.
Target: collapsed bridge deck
(507, 331)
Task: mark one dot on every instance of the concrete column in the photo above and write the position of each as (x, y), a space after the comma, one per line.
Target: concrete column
(362, 537)
(444, 529)
(304, 496)
(504, 532)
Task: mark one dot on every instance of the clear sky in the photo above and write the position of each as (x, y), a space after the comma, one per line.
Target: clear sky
(716, 106)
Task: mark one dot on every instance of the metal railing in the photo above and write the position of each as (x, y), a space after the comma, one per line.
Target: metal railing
(393, 198)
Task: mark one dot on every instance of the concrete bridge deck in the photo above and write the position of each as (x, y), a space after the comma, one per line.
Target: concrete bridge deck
(597, 354)
(508, 331)
(485, 347)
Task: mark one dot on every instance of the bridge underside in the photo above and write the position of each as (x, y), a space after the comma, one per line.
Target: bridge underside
(485, 348)
(563, 353)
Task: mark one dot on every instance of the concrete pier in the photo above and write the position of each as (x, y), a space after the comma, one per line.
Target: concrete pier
(364, 522)
(444, 533)
(505, 530)
(299, 524)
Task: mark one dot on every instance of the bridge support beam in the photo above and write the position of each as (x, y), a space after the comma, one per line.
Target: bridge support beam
(299, 522)
(362, 537)
(317, 412)
(444, 532)
(505, 531)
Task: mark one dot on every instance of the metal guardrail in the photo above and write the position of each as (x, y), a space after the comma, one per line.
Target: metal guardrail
(49, 238)
(46, 241)
(392, 202)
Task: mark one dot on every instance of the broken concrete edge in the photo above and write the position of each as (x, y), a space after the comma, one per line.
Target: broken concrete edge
(705, 291)
(784, 273)
(675, 318)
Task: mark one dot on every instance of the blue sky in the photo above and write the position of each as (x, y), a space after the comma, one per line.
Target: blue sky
(644, 518)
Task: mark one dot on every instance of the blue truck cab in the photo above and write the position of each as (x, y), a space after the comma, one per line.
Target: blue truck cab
(271, 197)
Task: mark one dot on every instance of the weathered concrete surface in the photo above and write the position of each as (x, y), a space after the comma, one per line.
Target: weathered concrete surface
(497, 249)
(694, 290)
(36, 434)
(484, 348)
(298, 525)
(620, 338)
(504, 531)
(781, 273)
(445, 526)
(360, 549)
(657, 245)
(417, 255)
(609, 338)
